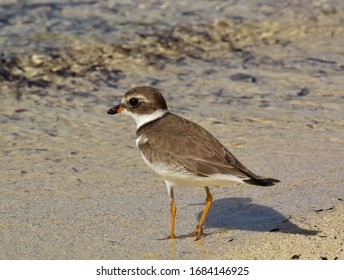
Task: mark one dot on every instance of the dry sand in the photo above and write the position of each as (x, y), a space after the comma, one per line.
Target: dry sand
(266, 79)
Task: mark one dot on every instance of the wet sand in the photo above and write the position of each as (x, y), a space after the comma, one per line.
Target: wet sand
(266, 79)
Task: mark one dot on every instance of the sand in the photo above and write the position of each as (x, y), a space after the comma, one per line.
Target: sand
(266, 79)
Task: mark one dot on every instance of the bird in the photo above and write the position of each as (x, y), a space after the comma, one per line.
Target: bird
(182, 152)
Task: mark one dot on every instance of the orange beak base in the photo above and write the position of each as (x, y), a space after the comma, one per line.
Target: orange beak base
(115, 110)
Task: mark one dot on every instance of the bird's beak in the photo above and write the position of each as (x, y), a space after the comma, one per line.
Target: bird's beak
(115, 110)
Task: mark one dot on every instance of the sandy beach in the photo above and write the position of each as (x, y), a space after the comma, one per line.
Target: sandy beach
(265, 77)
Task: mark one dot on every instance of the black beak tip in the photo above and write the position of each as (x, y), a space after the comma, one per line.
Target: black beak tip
(112, 111)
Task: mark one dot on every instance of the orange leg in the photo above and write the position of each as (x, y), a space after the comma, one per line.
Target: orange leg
(199, 228)
(173, 215)
(173, 210)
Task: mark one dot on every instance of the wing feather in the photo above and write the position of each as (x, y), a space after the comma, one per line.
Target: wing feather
(187, 145)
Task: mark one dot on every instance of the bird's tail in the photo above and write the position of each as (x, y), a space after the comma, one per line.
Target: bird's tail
(262, 181)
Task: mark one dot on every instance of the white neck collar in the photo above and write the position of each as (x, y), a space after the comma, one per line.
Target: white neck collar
(141, 119)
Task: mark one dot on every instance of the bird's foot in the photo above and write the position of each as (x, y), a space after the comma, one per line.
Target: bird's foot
(198, 232)
(172, 236)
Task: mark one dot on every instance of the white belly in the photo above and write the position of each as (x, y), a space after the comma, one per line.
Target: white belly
(178, 176)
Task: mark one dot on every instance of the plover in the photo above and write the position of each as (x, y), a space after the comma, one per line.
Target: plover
(180, 151)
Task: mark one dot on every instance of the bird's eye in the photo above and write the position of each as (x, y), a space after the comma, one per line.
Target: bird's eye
(133, 102)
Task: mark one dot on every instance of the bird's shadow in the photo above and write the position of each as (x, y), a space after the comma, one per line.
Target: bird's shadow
(241, 213)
